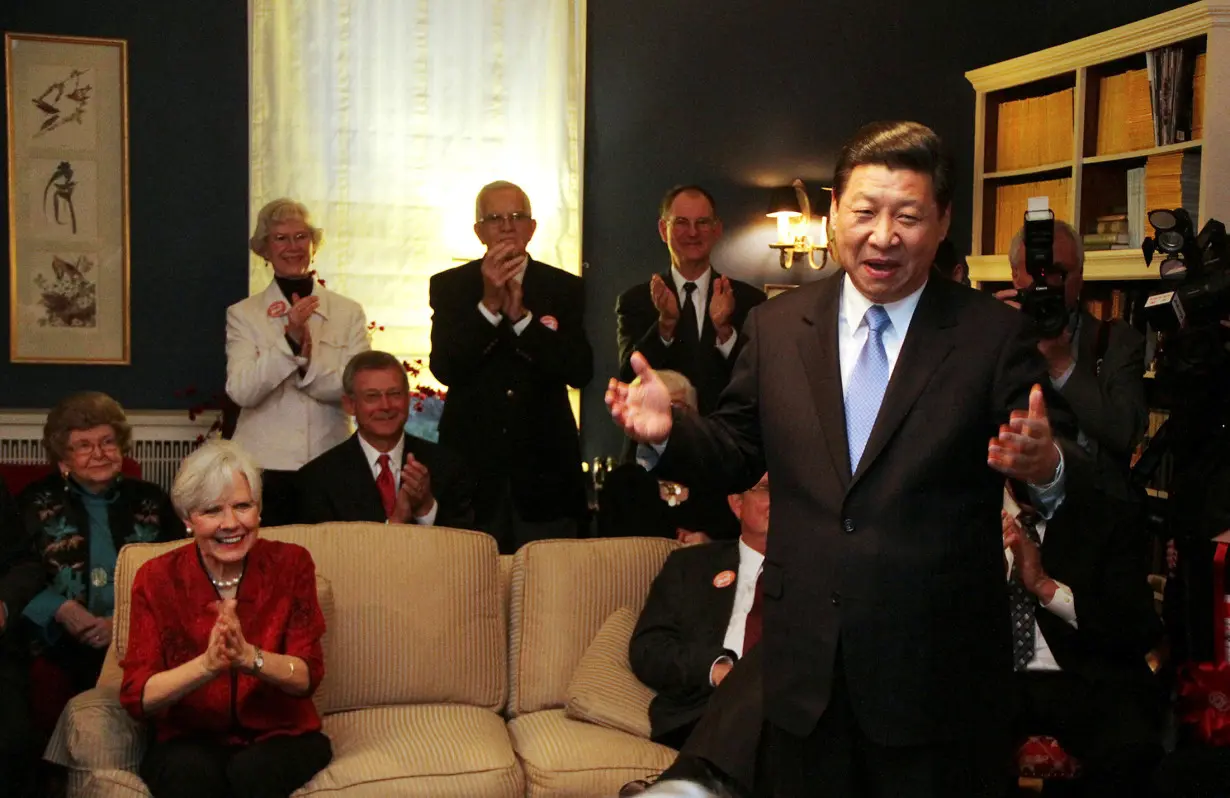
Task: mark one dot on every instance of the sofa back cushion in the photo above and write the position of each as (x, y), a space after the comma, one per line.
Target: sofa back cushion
(562, 593)
(416, 613)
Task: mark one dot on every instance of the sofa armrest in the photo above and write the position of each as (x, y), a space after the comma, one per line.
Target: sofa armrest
(96, 733)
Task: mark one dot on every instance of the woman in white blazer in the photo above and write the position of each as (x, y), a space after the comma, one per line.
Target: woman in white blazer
(286, 348)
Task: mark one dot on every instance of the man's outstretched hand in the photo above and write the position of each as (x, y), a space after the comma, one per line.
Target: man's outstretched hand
(642, 409)
(1025, 448)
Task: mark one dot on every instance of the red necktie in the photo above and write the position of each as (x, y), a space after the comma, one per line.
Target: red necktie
(755, 619)
(384, 483)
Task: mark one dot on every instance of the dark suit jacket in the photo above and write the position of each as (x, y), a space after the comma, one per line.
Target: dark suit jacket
(507, 411)
(701, 362)
(21, 570)
(900, 562)
(1109, 402)
(681, 631)
(1104, 557)
(338, 485)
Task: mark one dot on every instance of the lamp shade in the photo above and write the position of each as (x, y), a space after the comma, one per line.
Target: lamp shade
(784, 202)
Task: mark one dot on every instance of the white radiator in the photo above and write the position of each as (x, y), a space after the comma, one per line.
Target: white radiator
(161, 439)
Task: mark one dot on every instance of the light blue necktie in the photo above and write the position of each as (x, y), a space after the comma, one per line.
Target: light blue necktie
(868, 381)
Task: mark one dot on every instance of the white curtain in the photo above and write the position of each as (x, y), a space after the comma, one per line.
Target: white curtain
(385, 117)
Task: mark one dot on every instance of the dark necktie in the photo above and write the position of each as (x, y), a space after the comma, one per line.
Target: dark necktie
(687, 315)
(1024, 605)
(386, 485)
(754, 624)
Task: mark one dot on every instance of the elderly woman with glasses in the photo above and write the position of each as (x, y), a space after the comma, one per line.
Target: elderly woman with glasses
(224, 650)
(78, 518)
(286, 348)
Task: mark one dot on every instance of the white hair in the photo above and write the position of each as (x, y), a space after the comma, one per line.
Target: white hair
(207, 475)
(282, 209)
(1016, 250)
(677, 382)
(499, 185)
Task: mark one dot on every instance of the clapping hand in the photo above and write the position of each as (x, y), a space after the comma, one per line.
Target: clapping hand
(301, 310)
(667, 305)
(414, 498)
(722, 308)
(1025, 448)
(227, 647)
(500, 264)
(643, 408)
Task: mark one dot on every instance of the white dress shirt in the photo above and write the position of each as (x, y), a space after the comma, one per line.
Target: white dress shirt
(700, 300)
(395, 457)
(1062, 604)
(290, 418)
(751, 563)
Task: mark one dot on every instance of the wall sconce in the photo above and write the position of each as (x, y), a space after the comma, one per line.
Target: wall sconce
(792, 209)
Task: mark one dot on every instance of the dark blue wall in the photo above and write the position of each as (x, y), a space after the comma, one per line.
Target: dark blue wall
(188, 171)
(740, 95)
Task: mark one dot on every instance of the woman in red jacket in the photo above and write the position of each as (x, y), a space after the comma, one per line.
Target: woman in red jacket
(224, 647)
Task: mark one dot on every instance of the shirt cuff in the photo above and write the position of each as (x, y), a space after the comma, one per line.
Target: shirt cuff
(666, 341)
(648, 454)
(520, 326)
(42, 613)
(1058, 382)
(717, 662)
(1047, 498)
(428, 519)
(494, 318)
(729, 346)
(1063, 604)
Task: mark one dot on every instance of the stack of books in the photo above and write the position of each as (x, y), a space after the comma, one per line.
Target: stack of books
(1011, 202)
(1125, 114)
(1171, 104)
(1034, 131)
(1173, 181)
(1110, 232)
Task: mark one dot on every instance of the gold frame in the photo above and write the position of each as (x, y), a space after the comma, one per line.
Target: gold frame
(106, 342)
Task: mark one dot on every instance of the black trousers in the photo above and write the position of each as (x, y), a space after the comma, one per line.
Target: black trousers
(279, 498)
(511, 531)
(18, 747)
(195, 767)
(1112, 728)
(837, 760)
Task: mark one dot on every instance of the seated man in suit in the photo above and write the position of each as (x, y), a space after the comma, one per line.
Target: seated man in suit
(702, 614)
(380, 473)
(21, 578)
(1083, 621)
(687, 318)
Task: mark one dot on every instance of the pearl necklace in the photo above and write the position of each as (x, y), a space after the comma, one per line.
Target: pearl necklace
(226, 584)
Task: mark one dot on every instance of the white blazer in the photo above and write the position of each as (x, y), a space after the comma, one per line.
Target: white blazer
(288, 418)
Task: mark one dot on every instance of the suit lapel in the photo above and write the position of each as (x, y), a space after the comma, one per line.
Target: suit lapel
(926, 345)
(359, 484)
(708, 333)
(818, 350)
(722, 599)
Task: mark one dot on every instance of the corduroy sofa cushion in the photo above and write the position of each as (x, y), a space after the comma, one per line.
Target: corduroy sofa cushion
(604, 690)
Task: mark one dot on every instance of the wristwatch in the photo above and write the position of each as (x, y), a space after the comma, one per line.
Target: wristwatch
(258, 660)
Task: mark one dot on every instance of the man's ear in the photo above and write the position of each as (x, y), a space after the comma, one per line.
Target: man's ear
(348, 404)
(735, 500)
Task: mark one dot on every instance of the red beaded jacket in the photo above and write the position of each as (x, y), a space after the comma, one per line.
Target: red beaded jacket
(173, 611)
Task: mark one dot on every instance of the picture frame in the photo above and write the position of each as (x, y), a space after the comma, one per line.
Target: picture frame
(67, 99)
(773, 289)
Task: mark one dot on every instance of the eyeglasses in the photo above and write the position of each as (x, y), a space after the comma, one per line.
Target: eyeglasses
(500, 219)
(86, 448)
(702, 225)
(393, 395)
(298, 238)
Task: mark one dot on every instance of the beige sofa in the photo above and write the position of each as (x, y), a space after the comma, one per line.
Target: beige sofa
(447, 667)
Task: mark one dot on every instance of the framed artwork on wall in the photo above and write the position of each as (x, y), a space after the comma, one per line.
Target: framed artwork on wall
(68, 199)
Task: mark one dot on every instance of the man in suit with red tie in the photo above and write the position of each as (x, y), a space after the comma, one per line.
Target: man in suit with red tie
(687, 318)
(888, 407)
(380, 473)
(703, 613)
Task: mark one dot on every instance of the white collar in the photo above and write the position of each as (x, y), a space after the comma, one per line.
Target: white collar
(749, 558)
(372, 455)
(702, 283)
(853, 307)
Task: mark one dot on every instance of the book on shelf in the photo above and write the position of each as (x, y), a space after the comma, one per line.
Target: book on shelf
(1198, 97)
(1125, 114)
(1011, 202)
(1034, 131)
(1173, 181)
(1136, 213)
(1105, 238)
(1170, 71)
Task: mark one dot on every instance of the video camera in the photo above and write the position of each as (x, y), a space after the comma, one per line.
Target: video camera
(1197, 298)
(1042, 301)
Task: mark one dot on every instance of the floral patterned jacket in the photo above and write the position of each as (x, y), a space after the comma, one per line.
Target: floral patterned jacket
(58, 527)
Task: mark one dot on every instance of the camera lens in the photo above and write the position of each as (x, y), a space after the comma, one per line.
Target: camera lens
(1170, 241)
(1172, 268)
(1162, 220)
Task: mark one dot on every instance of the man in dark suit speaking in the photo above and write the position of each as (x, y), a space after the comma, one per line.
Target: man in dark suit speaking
(688, 318)
(883, 404)
(507, 338)
(380, 473)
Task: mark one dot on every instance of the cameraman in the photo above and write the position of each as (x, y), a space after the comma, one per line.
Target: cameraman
(1097, 366)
